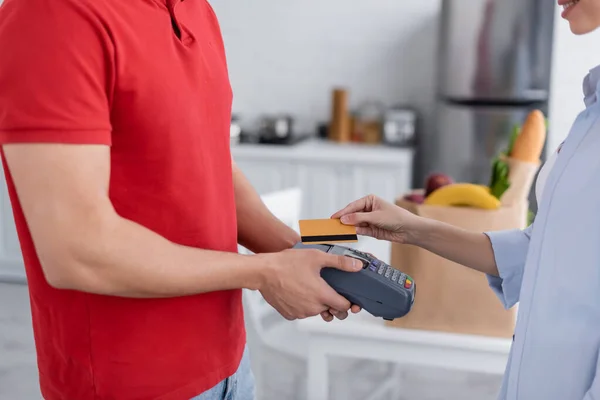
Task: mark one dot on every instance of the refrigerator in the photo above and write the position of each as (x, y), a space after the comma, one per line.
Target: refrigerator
(494, 67)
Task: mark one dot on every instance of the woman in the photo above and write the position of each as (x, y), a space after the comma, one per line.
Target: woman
(552, 268)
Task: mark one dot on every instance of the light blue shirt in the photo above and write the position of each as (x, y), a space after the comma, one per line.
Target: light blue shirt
(552, 269)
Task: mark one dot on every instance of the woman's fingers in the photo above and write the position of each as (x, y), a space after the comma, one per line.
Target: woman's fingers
(364, 230)
(358, 219)
(355, 206)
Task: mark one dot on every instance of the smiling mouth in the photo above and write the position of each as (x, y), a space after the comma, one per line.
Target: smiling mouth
(569, 5)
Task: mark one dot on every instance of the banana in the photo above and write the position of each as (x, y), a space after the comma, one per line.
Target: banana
(486, 188)
(463, 194)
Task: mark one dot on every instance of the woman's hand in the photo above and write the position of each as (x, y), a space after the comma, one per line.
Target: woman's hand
(379, 219)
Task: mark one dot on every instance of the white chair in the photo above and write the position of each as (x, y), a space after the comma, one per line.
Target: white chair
(271, 337)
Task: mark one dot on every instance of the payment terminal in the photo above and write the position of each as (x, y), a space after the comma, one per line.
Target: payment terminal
(378, 288)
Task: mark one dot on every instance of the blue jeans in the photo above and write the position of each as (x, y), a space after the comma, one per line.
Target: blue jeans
(239, 386)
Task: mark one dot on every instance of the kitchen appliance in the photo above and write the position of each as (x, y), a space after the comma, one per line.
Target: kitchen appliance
(494, 67)
(367, 122)
(379, 289)
(399, 127)
(276, 128)
(235, 130)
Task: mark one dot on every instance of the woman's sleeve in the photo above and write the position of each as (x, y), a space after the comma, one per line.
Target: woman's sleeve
(510, 251)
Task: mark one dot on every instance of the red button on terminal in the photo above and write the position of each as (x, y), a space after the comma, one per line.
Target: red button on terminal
(408, 284)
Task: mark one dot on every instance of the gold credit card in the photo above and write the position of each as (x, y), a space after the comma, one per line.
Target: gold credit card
(319, 231)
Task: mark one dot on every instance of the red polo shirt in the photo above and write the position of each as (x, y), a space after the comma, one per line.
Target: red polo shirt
(149, 79)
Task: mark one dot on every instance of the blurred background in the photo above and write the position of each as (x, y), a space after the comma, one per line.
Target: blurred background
(339, 99)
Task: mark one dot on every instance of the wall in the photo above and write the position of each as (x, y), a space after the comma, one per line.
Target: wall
(285, 56)
(573, 57)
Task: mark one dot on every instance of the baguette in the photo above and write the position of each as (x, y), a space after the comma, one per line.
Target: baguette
(529, 143)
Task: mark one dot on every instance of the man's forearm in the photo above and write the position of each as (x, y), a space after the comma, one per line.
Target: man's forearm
(471, 249)
(132, 261)
(258, 229)
(121, 258)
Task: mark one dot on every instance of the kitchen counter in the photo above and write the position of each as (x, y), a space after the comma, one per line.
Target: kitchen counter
(329, 174)
(326, 151)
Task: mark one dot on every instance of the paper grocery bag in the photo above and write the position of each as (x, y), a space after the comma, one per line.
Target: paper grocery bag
(450, 297)
(521, 176)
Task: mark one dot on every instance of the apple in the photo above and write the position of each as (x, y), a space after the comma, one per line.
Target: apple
(418, 198)
(436, 181)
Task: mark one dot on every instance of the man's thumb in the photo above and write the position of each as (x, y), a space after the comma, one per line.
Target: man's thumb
(346, 263)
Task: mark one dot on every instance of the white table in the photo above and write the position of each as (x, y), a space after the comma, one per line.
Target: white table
(363, 336)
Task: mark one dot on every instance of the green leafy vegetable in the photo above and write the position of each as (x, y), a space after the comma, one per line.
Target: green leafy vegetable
(513, 137)
(499, 181)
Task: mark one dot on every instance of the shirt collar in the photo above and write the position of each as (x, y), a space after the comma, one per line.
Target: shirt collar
(591, 86)
(167, 3)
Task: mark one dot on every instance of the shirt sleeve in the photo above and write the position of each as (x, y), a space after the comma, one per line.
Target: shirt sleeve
(510, 251)
(56, 73)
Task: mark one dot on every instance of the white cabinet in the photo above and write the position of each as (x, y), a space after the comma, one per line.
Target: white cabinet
(329, 174)
(11, 260)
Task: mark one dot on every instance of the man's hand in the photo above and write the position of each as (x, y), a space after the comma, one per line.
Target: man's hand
(262, 232)
(329, 314)
(294, 287)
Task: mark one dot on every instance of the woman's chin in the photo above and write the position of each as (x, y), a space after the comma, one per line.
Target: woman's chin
(580, 28)
(577, 30)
